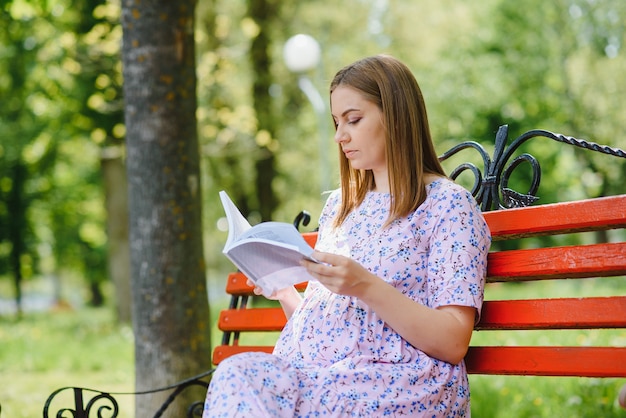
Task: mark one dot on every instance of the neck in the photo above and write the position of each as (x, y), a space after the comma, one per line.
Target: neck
(381, 182)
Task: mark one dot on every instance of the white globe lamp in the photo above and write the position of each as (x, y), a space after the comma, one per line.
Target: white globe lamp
(301, 53)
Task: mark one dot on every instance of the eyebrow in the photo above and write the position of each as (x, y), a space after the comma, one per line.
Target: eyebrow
(345, 112)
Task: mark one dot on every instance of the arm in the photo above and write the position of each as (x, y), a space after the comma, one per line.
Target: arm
(443, 333)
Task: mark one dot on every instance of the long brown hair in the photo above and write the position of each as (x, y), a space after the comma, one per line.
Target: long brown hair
(411, 155)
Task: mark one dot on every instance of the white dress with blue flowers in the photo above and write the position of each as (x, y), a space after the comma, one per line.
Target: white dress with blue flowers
(336, 357)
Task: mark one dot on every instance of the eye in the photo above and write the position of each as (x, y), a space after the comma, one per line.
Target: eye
(353, 121)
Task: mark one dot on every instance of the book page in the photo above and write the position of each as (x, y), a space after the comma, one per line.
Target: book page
(277, 232)
(237, 223)
(270, 265)
(283, 278)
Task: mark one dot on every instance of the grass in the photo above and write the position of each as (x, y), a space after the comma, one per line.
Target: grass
(549, 397)
(46, 351)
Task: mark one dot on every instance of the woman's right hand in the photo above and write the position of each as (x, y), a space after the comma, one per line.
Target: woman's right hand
(288, 297)
(276, 295)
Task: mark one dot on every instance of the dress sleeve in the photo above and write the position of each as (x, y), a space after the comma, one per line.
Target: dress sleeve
(460, 241)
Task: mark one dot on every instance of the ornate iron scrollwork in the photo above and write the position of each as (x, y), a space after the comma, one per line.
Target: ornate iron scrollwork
(492, 191)
(104, 405)
(303, 218)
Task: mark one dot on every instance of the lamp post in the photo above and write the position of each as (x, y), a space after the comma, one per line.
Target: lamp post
(302, 53)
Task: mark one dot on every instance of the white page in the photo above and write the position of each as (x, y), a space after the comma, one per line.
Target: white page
(278, 232)
(270, 266)
(237, 224)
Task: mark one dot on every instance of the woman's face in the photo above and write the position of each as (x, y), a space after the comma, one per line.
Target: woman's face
(359, 130)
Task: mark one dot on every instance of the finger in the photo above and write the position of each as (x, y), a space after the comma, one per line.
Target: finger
(330, 259)
(322, 257)
(320, 270)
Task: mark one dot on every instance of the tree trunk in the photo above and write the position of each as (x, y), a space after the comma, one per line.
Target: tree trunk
(265, 14)
(116, 201)
(17, 204)
(170, 308)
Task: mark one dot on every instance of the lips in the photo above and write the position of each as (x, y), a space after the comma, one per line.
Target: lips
(349, 153)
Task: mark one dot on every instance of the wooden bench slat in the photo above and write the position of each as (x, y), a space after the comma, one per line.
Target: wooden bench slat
(585, 215)
(557, 262)
(548, 361)
(562, 313)
(221, 352)
(531, 361)
(236, 285)
(257, 319)
(528, 264)
(310, 238)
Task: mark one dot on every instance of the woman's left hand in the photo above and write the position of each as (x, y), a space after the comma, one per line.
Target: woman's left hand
(340, 274)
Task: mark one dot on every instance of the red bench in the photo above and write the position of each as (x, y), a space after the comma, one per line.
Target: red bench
(551, 263)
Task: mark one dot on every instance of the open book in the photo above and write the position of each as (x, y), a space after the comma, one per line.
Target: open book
(269, 253)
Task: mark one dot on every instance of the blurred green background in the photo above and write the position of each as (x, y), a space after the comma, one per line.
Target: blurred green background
(64, 317)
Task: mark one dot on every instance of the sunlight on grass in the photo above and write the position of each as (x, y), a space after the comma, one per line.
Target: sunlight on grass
(46, 351)
(549, 397)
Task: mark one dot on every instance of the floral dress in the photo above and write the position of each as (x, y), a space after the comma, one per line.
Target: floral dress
(336, 357)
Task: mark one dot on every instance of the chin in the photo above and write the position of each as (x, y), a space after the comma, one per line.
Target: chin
(355, 165)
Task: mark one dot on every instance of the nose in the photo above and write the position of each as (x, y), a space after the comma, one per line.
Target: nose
(340, 135)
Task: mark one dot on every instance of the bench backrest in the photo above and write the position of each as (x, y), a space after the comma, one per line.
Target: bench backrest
(518, 265)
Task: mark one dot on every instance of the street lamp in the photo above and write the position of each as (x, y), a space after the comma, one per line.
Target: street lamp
(302, 53)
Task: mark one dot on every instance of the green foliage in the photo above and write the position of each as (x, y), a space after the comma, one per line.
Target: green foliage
(547, 65)
(61, 85)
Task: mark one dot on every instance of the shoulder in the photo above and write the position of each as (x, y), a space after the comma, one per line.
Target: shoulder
(334, 194)
(444, 189)
(331, 206)
(447, 201)
(333, 199)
